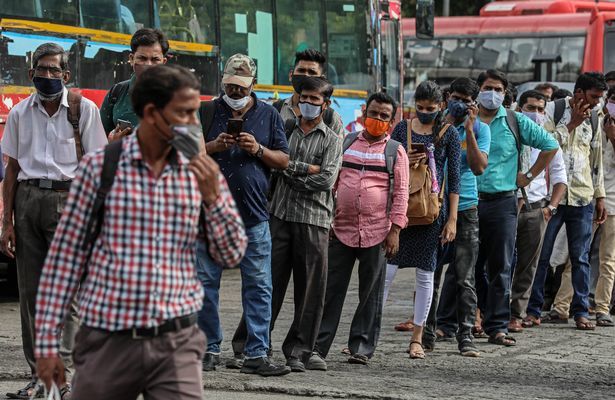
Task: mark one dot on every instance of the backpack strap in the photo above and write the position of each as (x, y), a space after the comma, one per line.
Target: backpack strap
(390, 158)
(349, 139)
(206, 115)
(289, 127)
(513, 125)
(115, 93)
(594, 120)
(74, 114)
(559, 106)
(409, 135)
(327, 116)
(278, 104)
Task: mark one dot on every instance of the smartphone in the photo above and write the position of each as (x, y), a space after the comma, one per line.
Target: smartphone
(124, 124)
(418, 147)
(234, 126)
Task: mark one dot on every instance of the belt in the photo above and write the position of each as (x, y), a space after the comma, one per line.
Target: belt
(48, 184)
(495, 196)
(534, 206)
(172, 325)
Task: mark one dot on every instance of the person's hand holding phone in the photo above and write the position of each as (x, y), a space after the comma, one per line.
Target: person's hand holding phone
(223, 142)
(123, 128)
(417, 154)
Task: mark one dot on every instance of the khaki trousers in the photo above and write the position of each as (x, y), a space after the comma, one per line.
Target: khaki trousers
(604, 288)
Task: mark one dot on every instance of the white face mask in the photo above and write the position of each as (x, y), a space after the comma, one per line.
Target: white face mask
(236, 104)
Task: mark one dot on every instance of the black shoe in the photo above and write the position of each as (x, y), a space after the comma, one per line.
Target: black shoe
(295, 364)
(235, 362)
(316, 362)
(263, 367)
(27, 391)
(360, 359)
(210, 361)
(467, 348)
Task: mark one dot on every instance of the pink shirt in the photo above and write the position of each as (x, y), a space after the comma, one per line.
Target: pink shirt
(361, 206)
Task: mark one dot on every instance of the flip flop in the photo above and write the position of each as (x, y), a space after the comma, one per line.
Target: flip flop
(503, 340)
(584, 325)
(417, 355)
(604, 320)
(554, 318)
(478, 332)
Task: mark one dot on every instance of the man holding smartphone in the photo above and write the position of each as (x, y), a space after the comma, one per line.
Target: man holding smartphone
(246, 137)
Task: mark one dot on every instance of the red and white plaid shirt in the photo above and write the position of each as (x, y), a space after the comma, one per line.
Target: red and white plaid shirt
(142, 269)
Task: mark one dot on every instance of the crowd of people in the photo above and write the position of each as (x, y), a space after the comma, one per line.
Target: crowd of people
(123, 219)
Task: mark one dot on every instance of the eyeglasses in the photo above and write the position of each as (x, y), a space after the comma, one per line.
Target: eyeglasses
(53, 71)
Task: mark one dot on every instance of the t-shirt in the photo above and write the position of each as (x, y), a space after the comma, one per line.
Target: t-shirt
(248, 176)
(468, 193)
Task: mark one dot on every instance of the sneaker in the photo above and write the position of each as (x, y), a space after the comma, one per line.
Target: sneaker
(263, 367)
(295, 364)
(316, 362)
(467, 348)
(30, 391)
(236, 362)
(210, 361)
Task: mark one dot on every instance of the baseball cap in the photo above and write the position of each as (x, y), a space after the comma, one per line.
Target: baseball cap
(239, 70)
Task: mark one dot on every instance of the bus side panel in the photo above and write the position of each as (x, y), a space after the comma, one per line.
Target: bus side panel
(594, 45)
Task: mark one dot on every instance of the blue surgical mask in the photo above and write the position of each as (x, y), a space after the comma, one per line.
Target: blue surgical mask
(426, 118)
(457, 109)
(490, 99)
(310, 111)
(236, 104)
(535, 116)
(48, 88)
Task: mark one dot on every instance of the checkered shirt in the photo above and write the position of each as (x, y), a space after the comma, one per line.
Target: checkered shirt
(142, 269)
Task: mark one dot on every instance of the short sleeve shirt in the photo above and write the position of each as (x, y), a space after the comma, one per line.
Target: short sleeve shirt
(468, 193)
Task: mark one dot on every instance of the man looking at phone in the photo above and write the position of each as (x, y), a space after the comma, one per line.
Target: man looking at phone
(456, 310)
(147, 47)
(256, 145)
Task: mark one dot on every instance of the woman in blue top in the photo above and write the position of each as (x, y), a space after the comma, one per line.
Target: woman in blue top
(418, 245)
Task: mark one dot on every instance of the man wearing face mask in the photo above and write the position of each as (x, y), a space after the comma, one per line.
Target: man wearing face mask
(578, 129)
(246, 156)
(147, 47)
(370, 211)
(544, 194)
(308, 63)
(497, 206)
(43, 152)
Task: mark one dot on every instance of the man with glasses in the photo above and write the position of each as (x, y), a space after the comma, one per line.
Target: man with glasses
(43, 150)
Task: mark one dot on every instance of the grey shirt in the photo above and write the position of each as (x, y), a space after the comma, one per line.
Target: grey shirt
(303, 198)
(287, 113)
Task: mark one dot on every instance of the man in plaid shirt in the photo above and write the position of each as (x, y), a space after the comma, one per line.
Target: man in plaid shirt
(140, 294)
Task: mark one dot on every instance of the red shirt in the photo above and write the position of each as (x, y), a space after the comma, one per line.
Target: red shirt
(142, 269)
(361, 218)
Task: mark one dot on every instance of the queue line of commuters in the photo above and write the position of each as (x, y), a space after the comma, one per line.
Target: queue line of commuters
(284, 193)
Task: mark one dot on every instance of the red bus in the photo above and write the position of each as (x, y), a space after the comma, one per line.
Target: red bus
(513, 36)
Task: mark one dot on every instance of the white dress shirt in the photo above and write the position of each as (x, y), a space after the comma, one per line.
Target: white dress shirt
(44, 146)
(537, 189)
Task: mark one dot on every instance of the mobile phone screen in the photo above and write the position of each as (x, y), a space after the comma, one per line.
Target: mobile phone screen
(234, 126)
(124, 124)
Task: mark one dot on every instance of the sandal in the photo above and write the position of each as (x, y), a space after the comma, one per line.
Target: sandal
(583, 324)
(30, 391)
(65, 392)
(554, 318)
(406, 326)
(502, 340)
(360, 359)
(478, 332)
(417, 355)
(346, 351)
(604, 320)
(531, 321)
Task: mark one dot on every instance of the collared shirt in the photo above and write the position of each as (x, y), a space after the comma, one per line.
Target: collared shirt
(608, 162)
(501, 172)
(537, 190)
(304, 198)
(44, 146)
(468, 191)
(362, 196)
(142, 268)
(248, 176)
(122, 109)
(287, 113)
(582, 156)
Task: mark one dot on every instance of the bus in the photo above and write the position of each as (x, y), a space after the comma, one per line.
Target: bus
(361, 39)
(521, 38)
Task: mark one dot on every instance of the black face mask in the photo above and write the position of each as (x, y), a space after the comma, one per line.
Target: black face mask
(297, 82)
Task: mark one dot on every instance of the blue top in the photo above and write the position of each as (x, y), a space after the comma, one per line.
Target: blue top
(468, 192)
(247, 176)
(501, 172)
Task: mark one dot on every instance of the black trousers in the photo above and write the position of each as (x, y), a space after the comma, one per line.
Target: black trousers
(301, 250)
(365, 327)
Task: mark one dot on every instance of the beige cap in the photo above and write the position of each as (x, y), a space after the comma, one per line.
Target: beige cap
(239, 70)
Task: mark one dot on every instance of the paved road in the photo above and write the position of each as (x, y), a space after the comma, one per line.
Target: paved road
(552, 362)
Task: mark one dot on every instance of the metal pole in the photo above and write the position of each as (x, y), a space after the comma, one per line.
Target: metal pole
(446, 8)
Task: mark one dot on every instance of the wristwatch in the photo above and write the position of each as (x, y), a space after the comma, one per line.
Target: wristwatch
(259, 152)
(552, 210)
(529, 175)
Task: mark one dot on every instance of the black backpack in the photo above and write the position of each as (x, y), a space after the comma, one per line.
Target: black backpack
(117, 90)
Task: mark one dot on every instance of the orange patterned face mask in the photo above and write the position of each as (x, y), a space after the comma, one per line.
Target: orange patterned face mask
(376, 127)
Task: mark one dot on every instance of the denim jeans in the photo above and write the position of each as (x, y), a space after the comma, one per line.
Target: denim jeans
(255, 292)
(578, 222)
(497, 232)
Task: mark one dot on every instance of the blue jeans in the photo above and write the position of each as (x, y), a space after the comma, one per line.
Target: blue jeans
(578, 222)
(255, 292)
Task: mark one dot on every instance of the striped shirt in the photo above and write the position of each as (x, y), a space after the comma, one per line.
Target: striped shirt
(304, 198)
(142, 268)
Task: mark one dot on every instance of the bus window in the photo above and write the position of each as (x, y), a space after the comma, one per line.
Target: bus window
(187, 20)
(389, 31)
(348, 50)
(298, 29)
(491, 53)
(58, 11)
(115, 15)
(522, 52)
(572, 50)
(609, 51)
(246, 26)
(102, 64)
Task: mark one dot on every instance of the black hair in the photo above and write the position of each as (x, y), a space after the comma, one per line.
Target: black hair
(446, 93)
(149, 37)
(311, 55)
(610, 76)
(591, 80)
(509, 98)
(466, 87)
(159, 83)
(319, 84)
(430, 91)
(50, 49)
(534, 94)
(546, 85)
(492, 74)
(611, 92)
(382, 98)
(561, 94)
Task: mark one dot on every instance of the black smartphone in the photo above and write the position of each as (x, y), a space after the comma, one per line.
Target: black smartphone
(418, 147)
(124, 124)
(234, 126)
